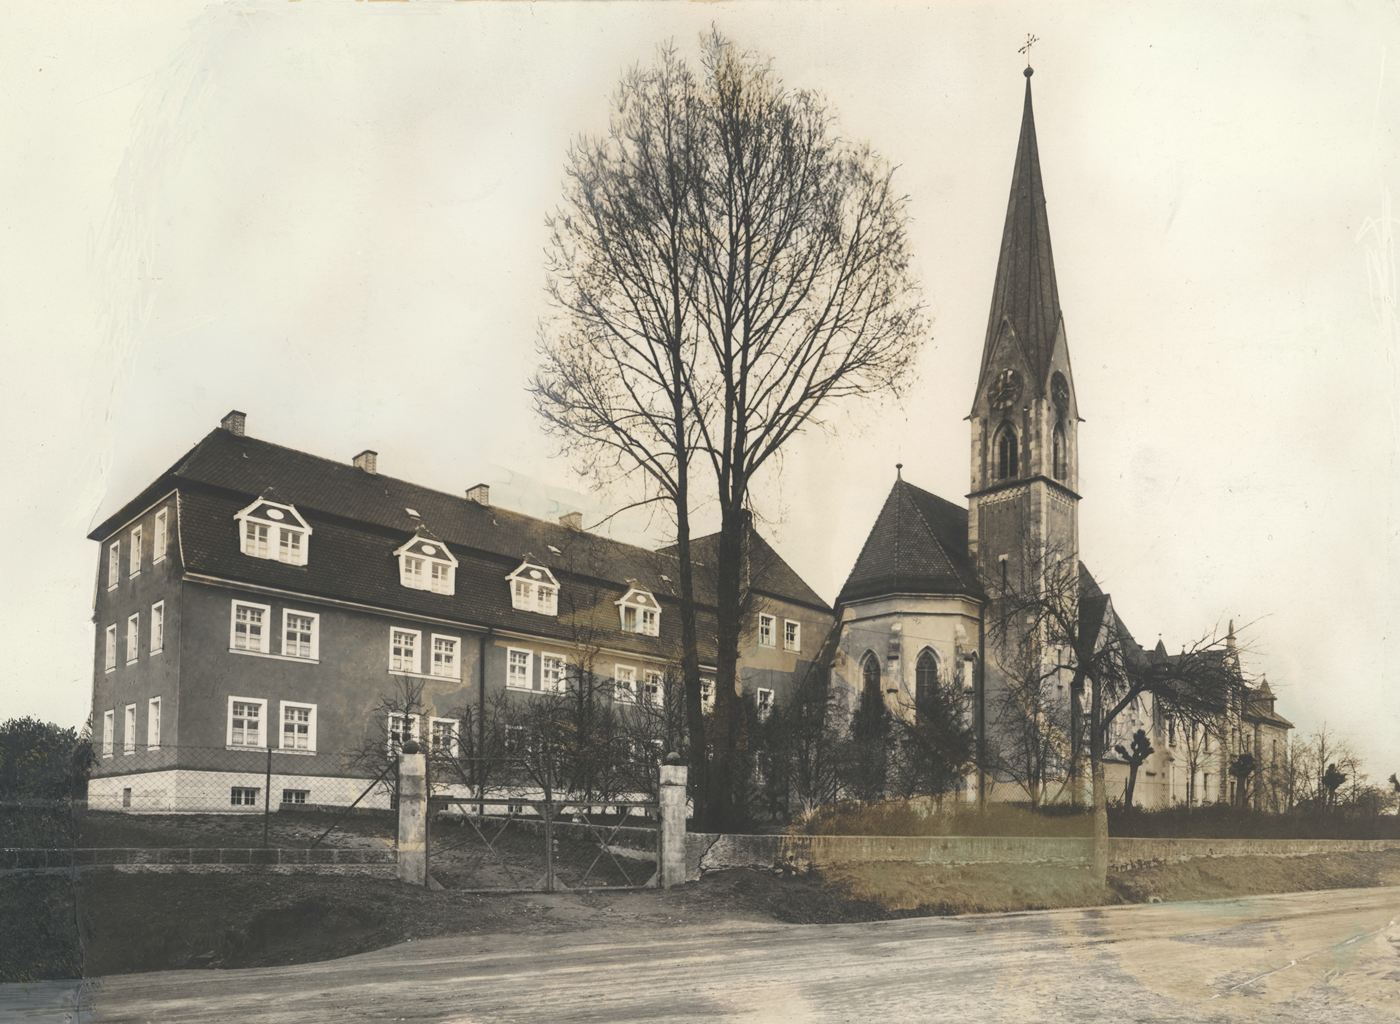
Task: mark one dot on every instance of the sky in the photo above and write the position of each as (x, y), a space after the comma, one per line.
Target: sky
(331, 216)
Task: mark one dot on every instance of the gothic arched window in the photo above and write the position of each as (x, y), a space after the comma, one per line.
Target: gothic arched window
(1060, 453)
(870, 673)
(1007, 452)
(925, 677)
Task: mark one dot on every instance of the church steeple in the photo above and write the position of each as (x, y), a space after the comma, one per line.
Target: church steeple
(1025, 415)
(1025, 311)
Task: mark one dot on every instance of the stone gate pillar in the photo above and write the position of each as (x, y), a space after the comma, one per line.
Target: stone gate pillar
(671, 866)
(413, 815)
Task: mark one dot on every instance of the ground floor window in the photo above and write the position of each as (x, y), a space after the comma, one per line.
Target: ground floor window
(243, 796)
(295, 796)
(765, 702)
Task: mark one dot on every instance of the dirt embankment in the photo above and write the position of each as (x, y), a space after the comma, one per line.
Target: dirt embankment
(53, 927)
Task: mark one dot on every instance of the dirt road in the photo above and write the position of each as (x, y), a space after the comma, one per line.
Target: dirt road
(1330, 957)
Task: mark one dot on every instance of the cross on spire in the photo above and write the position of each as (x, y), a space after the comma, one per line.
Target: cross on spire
(1031, 40)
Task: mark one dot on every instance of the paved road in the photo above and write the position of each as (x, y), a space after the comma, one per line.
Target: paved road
(1324, 958)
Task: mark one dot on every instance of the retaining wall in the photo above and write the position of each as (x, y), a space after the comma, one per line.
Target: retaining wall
(712, 852)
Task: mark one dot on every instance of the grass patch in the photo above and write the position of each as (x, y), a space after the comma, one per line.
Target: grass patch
(925, 818)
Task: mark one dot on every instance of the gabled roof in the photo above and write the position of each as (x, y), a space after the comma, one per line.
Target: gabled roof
(770, 573)
(1025, 297)
(918, 545)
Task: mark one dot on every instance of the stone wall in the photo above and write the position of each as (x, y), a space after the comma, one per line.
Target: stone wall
(712, 852)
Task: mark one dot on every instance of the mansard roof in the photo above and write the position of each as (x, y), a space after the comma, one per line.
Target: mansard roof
(918, 545)
(1025, 296)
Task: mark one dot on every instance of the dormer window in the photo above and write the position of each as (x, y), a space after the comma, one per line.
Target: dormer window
(426, 564)
(639, 612)
(269, 529)
(533, 588)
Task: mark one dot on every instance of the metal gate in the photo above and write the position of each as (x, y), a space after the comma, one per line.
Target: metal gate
(512, 844)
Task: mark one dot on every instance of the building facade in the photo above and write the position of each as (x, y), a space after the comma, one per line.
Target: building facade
(258, 608)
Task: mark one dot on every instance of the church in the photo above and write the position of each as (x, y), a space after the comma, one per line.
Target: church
(920, 607)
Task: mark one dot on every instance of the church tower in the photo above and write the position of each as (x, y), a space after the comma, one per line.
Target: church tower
(1023, 504)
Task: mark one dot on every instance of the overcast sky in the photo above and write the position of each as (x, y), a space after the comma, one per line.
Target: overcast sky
(331, 216)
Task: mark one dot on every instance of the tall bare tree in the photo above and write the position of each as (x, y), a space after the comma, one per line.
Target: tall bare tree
(724, 266)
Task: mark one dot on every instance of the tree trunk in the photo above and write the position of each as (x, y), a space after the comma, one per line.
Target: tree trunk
(1132, 784)
(690, 655)
(728, 611)
(1076, 727)
(1100, 843)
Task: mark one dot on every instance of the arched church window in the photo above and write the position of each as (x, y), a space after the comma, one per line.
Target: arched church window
(925, 677)
(1007, 452)
(870, 673)
(1060, 453)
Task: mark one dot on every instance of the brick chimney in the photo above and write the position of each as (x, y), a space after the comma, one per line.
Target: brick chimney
(572, 520)
(479, 493)
(367, 460)
(234, 422)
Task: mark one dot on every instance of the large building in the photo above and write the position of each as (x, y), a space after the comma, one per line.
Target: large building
(256, 606)
(923, 601)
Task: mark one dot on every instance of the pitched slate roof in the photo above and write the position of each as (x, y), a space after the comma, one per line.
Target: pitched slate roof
(771, 574)
(1025, 296)
(359, 518)
(918, 545)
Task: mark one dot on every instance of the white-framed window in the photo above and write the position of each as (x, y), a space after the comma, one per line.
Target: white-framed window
(792, 635)
(625, 683)
(298, 726)
(639, 612)
(133, 637)
(129, 730)
(767, 630)
(442, 735)
(133, 556)
(404, 645)
(553, 673)
(533, 588)
(269, 529)
(248, 627)
(111, 652)
(247, 717)
(445, 659)
(295, 796)
(426, 564)
(400, 728)
(114, 564)
(519, 669)
(301, 634)
(707, 693)
(243, 796)
(157, 627)
(109, 726)
(153, 724)
(764, 699)
(653, 687)
(160, 538)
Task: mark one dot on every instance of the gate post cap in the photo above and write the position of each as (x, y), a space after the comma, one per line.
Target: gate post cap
(411, 747)
(673, 758)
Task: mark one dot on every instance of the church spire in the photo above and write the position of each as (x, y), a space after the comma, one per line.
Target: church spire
(1025, 299)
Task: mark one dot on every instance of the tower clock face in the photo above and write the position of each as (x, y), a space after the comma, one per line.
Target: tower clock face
(1005, 390)
(1059, 391)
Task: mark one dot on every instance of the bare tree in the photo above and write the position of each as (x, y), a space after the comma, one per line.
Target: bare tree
(1030, 720)
(1055, 611)
(1135, 754)
(725, 266)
